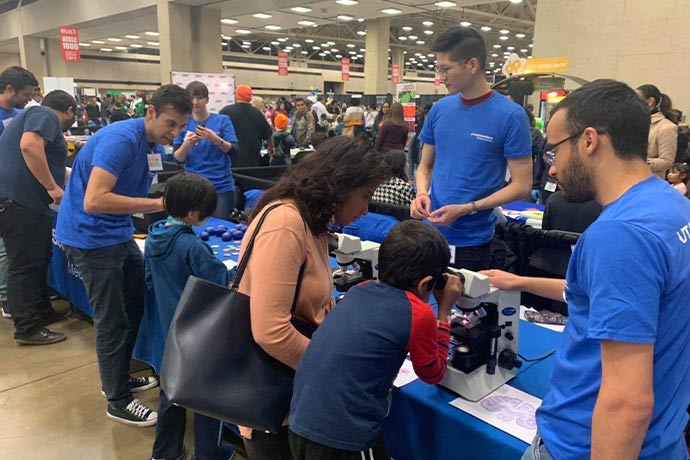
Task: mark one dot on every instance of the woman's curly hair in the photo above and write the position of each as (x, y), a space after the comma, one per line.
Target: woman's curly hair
(324, 180)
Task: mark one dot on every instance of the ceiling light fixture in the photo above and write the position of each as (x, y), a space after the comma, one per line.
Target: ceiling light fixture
(497, 46)
(412, 37)
(445, 4)
(429, 32)
(344, 17)
(361, 33)
(246, 46)
(273, 27)
(301, 9)
(516, 1)
(494, 55)
(153, 43)
(339, 56)
(504, 31)
(123, 48)
(428, 23)
(486, 29)
(98, 42)
(465, 23)
(503, 37)
(228, 21)
(266, 48)
(304, 52)
(420, 42)
(306, 23)
(114, 39)
(402, 38)
(136, 45)
(524, 50)
(262, 16)
(133, 37)
(296, 45)
(243, 31)
(350, 45)
(407, 28)
(391, 11)
(275, 43)
(106, 49)
(335, 50)
(347, 2)
(308, 40)
(316, 47)
(84, 44)
(152, 34)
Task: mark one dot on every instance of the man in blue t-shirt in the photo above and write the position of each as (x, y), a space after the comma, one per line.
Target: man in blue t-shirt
(469, 139)
(17, 86)
(205, 145)
(32, 175)
(110, 181)
(620, 382)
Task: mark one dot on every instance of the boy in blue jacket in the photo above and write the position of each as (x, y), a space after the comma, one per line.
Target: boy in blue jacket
(174, 253)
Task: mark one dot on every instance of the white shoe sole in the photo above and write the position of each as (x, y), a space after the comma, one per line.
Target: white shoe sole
(131, 423)
(138, 389)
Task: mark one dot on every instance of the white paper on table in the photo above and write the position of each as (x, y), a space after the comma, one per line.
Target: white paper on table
(405, 375)
(553, 327)
(508, 409)
(230, 264)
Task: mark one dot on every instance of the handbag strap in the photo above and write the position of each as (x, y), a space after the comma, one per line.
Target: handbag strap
(242, 266)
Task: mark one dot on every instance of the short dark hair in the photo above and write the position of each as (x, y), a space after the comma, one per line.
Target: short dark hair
(325, 179)
(396, 160)
(171, 96)
(59, 100)
(300, 99)
(411, 251)
(197, 89)
(186, 192)
(462, 43)
(614, 109)
(18, 77)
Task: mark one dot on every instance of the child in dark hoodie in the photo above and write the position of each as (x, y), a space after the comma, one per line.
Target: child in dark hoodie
(173, 253)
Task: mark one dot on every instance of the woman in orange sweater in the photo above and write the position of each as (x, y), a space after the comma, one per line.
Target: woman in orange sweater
(332, 185)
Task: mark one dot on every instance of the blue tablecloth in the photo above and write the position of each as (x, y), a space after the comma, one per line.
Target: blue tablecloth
(423, 426)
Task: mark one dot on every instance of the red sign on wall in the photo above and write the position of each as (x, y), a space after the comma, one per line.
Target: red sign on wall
(395, 74)
(283, 63)
(69, 39)
(345, 71)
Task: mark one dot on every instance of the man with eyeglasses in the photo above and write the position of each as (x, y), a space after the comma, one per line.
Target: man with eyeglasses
(470, 137)
(620, 379)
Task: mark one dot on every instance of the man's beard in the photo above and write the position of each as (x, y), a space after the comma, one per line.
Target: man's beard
(576, 181)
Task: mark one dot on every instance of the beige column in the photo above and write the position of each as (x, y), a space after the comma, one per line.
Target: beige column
(207, 54)
(635, 41)
(30, 57)
(376, 58)
(175, 29)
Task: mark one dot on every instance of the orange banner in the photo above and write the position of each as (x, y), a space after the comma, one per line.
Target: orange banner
(546, 65)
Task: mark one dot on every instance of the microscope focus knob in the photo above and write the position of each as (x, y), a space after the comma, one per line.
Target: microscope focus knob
(509, 335)
(508, 359)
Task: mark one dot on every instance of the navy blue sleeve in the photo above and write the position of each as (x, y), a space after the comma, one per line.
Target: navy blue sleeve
(624, 296)
(205, 265)
(44, 123)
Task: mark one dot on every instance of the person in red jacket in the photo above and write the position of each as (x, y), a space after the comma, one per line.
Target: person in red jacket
(343, 382)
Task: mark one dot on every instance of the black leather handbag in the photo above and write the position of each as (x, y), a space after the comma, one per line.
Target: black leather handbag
(213, 366)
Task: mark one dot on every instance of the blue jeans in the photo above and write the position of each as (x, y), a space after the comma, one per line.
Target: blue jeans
(3, 271)
(226, 203)
(170, 433)
(537, 451)
(114, 280)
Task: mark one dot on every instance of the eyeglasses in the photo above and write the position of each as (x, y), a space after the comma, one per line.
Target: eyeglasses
(550, 149)
(443, 70)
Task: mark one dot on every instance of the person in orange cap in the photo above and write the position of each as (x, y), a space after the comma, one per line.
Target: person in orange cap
(283, 141)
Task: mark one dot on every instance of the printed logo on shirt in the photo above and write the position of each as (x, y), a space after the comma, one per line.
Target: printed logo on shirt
(684, 234)
(482, 137)
(7, 121)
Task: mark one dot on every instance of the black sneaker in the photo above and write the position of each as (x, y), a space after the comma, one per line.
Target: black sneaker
(135, 414)
(139, 384)
(5, 309)
(43, 337)
(55, 316)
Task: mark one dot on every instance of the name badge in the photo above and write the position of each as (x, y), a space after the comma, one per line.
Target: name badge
(452, 253)
(550, 186)
(155, 162)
